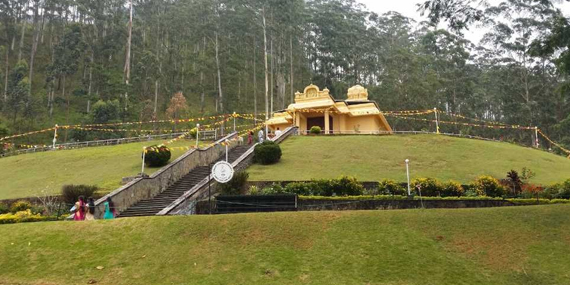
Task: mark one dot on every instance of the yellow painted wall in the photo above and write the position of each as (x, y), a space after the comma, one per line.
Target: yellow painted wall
(365, 124)
(282, 127)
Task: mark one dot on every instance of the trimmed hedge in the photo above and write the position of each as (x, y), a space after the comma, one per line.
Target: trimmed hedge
(267, 152)
(315, 130)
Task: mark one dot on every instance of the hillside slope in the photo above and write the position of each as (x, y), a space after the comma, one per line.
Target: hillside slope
(372, 158)
(517, 245)
(28, 175)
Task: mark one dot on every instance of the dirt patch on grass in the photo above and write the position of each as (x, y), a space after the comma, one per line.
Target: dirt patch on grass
(498, 253)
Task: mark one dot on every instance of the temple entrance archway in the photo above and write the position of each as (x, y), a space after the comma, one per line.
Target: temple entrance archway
(319, 122)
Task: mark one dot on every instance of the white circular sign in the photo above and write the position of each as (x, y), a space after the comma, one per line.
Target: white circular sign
(223, 172)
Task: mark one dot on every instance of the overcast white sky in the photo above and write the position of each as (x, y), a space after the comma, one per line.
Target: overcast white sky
(408, 8)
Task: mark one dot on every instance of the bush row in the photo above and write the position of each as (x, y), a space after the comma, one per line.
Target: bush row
(23, 217)
(334, 187)
(483, 186)
(520, 201)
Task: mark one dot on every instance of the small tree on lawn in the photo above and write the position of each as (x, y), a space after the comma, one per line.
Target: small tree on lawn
(176, 107)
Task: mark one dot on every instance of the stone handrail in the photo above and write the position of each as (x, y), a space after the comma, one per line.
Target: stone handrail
(148, 187)
(178, 206)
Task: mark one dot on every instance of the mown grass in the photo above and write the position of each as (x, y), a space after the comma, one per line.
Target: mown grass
(28, 175)
(514, 245)
(373, 158)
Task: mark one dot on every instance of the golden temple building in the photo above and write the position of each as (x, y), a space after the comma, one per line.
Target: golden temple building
(353, 115)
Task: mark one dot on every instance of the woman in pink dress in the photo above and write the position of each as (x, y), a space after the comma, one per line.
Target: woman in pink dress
(79, 209)
(250, 137)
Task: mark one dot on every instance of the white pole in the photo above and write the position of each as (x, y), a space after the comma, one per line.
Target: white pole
(227, 141)
(536, 136)
(54, 136)
(197, 134)
(408, 174)
(142, 167)
(234, 122)
(436, 121)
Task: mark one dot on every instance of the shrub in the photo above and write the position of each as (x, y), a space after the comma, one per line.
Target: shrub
(267, 152)
(488, 186)
(22, 216)
(303, 188)
(315, 130)
(71, 193)
(390, 187)
(551, 192)
(4, 209)
(253, 190)
(428, 186)
(157, 156)
(451, 189)
(274, 189)
(564, 190)
(344, 186)
(532, 190)
(236, 185)
(513, 182)
(20, 206)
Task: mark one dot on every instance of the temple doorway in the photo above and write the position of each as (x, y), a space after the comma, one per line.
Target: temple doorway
(319, 122)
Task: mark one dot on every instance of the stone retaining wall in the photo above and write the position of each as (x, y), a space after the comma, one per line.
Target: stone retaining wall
(202, 207)
(145, 188)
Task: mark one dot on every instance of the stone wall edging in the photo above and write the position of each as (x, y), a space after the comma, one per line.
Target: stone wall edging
(144, 188)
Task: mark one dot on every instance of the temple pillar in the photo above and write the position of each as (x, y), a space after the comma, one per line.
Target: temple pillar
(298, 120)
(327, 125)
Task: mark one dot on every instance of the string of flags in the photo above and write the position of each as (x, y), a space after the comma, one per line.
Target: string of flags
(566, 151)
(400, 114)
(472, 119)
(471, 124)
(26, 134)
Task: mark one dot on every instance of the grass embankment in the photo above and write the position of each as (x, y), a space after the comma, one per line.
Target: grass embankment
(373, 158)
(28, 175)
(514, 245)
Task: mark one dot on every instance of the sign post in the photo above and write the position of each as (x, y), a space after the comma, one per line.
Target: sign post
(222, 172)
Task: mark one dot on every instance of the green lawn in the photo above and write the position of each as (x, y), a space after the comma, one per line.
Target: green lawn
(373, 158)
(514, 245)
(28, 175)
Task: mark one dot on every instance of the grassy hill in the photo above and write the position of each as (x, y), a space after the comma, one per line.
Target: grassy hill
(28, 175)
(372, 158)
(516, 245)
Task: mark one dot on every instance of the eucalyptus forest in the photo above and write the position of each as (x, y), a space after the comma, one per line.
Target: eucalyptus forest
(85, 61)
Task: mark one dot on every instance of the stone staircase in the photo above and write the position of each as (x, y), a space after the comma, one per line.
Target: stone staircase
(150, 207)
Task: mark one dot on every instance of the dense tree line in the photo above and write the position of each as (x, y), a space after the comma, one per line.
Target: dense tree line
(60, 57)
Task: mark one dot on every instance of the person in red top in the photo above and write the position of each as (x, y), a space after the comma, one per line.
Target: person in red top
(79, 209)
(250, 137)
